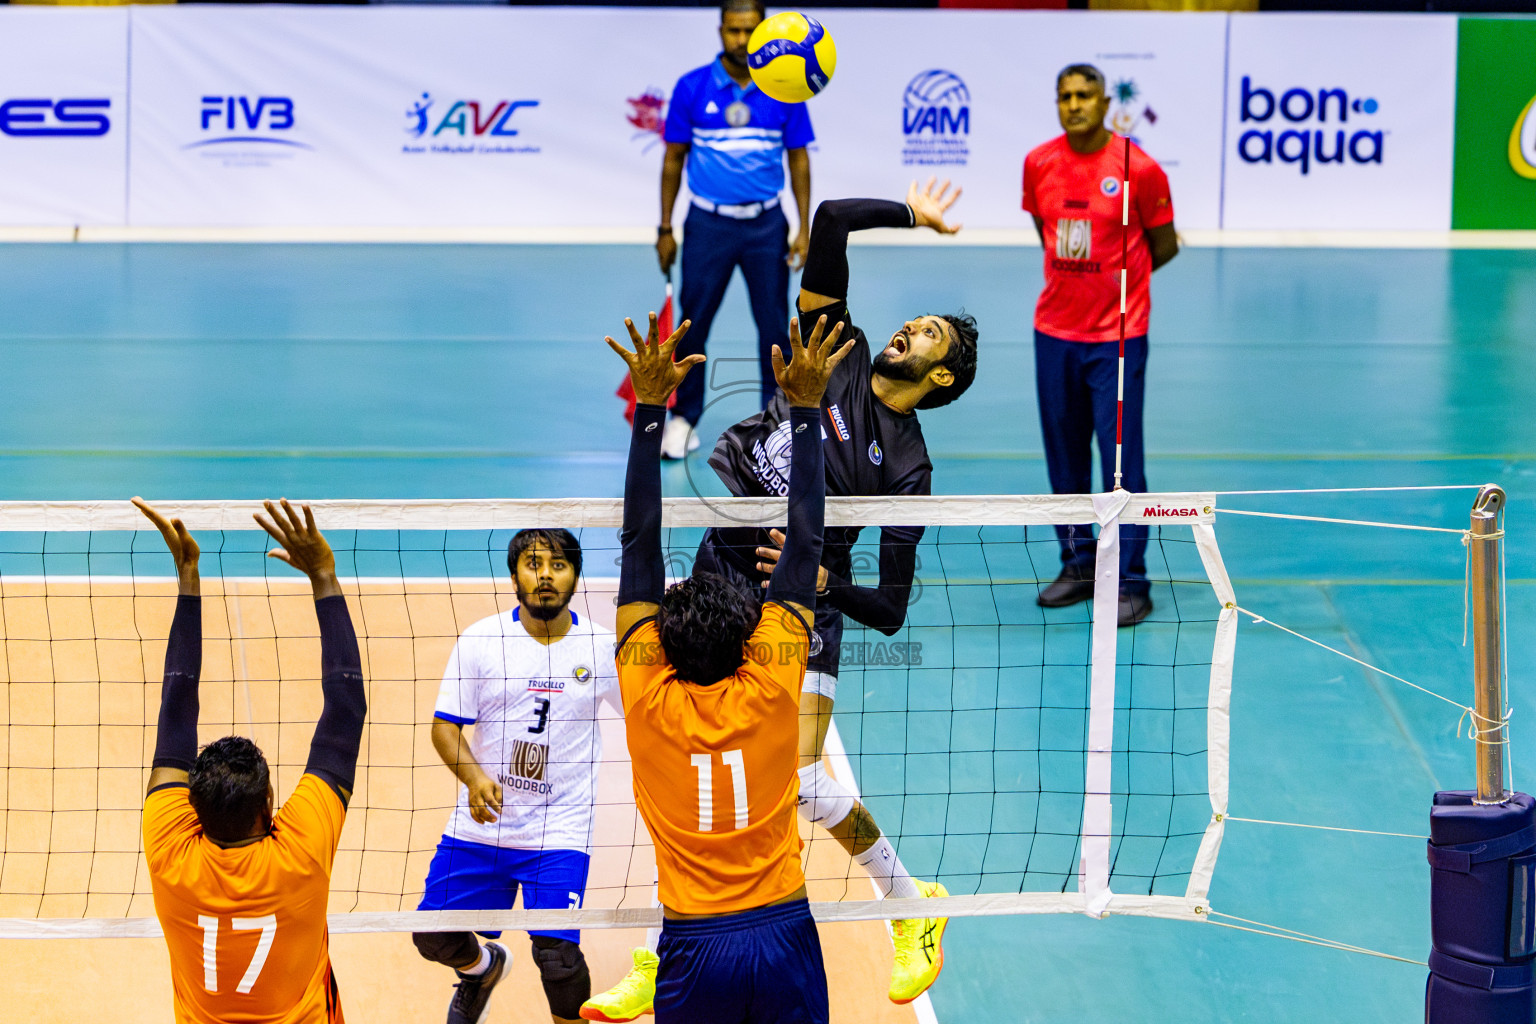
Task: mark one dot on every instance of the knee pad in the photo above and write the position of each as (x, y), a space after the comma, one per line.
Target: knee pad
(563, 970)
(459, 949)
(822, 800)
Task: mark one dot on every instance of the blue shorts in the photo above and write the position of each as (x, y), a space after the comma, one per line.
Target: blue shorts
(761, 966)
(474, 876)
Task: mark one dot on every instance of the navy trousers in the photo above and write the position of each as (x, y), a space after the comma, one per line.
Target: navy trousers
(713, 247)
(1075, 381)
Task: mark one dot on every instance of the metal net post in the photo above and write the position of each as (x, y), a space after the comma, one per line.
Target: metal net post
(1485, 547)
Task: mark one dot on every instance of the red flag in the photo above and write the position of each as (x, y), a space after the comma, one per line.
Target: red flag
(664, 329)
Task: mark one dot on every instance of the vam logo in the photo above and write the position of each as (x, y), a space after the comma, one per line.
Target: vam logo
(1330, 142)
(1522, 142)
(71, 118)
(936, 119)
(242, 120)
(1129, 109)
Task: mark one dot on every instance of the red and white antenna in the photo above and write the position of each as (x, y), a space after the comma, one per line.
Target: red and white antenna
(1125, 223)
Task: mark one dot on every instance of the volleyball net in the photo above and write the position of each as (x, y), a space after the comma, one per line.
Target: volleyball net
(1036, 760)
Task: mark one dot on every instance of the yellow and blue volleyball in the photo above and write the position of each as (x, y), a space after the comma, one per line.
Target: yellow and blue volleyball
(791, 57)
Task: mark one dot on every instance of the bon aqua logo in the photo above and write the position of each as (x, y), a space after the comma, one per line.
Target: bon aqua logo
(464, 126)
(1314, 127)
(1522, 142)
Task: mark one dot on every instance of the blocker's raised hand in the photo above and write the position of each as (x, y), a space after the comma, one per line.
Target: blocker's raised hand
(929, 207)
(651, 370)
(303, 545)
(804, 378)
(183, 548)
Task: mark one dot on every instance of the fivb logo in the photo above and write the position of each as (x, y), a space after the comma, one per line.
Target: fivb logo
(247, 119)
(1306, 145)
(463, 118)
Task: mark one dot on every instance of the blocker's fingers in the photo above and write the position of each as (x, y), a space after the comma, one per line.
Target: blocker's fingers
(778, 537)
(943, 207)
(830, 340)
(794, 332)
(816, 332)
(634, 335)
(777, 357)
(943, 188)
(839, 355)
(294, 529)
(675, 337)
(309, 521)
(623, 352)
(928, 188)
(281, 554)
(689, 362)
(267, 524)
(650, 330)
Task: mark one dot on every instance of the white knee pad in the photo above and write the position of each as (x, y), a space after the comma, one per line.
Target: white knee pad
(823, 683)
(822, 800)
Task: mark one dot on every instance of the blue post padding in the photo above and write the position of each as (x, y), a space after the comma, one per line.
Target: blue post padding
(1482, 911)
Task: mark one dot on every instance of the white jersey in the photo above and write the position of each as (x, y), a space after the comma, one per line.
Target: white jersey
(534, 709)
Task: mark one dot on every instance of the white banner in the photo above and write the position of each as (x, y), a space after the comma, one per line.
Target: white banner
(418, 116)
(63, 115)
(518, 117)
(967, 94)
(1340, 122)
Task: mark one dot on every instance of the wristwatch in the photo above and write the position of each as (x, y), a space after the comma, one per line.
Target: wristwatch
(663, 230)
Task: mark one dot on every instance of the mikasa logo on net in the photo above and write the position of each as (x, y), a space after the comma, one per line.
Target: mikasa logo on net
(1159, 511)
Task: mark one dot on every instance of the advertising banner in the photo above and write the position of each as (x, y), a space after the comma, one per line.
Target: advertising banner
(399, 116)
(1340, 122)
(1495, 124)
(63, 115)
(966, 95)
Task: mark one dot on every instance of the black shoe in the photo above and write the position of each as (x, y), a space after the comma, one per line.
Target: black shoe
(473, 997)
(1069, 588)
(1134, 608)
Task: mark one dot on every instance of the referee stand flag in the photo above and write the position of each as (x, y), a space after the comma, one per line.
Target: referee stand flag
(664, 329)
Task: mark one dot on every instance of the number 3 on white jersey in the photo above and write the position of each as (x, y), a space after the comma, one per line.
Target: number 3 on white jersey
(705, 765)
(210, 926)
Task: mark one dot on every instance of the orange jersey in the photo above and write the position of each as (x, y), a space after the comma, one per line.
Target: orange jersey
(246, 926)
(715, 768)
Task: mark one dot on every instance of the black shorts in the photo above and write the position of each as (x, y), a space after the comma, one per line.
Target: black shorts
(722, 559)
(761, 965)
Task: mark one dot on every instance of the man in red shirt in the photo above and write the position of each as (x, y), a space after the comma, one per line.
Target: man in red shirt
(1072, 188)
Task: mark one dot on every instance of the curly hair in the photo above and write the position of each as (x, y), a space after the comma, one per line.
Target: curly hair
(705, 622)
(960, 359)
(229, 784)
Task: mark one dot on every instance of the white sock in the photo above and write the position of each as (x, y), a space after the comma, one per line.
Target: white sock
(885, 868)
(479, 966)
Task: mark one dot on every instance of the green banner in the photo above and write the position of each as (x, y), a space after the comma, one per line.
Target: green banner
(1495, 183)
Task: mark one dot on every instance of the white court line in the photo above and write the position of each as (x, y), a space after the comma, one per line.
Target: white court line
(842, 770)
(1022, 236)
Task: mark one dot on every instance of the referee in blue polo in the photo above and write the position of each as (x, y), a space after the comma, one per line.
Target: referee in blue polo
(734, 141)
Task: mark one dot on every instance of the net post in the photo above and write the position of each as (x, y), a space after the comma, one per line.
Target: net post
(1485, 546)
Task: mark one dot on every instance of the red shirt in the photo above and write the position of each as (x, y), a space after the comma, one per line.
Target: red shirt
(1078, 197)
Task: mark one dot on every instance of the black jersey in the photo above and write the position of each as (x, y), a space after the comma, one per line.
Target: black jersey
(870, 450)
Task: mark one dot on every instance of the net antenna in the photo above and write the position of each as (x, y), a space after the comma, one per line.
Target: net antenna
(1125, 224)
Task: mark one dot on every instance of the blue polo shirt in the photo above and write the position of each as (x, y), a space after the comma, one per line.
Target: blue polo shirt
(733, 163)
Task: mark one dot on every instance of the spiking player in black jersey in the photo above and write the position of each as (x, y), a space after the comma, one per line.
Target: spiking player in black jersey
(873, 446)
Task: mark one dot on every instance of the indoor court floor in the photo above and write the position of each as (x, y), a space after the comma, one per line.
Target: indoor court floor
(446, 371)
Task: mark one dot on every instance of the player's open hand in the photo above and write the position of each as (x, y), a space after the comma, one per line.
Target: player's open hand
(484, 799)
(804, 378)
(183, 548)
(303, 546)
(770, 560)
(652, 371)
(929, 207)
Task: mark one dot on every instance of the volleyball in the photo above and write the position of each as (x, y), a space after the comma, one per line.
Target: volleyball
(791, 57)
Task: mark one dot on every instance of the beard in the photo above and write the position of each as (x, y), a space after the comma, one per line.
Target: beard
(543, 607)
(908, 367)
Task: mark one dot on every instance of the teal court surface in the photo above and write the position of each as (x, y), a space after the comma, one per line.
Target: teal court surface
(442, 371)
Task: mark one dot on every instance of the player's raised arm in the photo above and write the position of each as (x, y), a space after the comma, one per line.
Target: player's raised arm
(825, 280)
(339, 732)
(176, 736)
(804, 380)
(642, 571)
